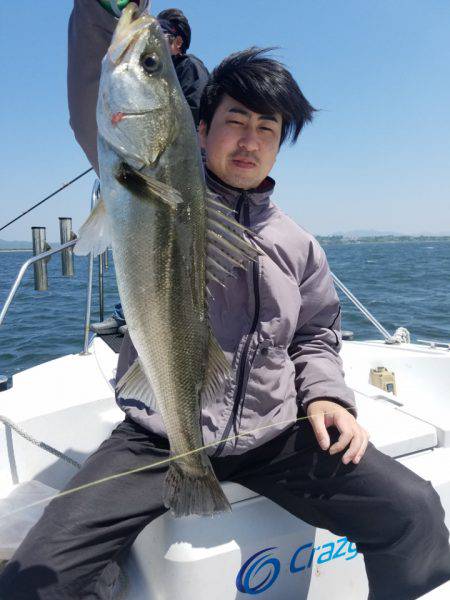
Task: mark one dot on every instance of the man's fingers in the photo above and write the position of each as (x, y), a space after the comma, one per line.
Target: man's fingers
(354, 448)
(343, 441)
(349, 429)
(353, 437)
(362, 449)
(317, 421)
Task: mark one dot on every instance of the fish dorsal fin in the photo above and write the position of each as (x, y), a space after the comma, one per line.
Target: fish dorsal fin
(134, 385)
(147, 187)
(227, 247)
(94, 235)
(218, 371)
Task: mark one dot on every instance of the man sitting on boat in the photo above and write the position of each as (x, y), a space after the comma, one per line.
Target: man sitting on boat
(280, 328)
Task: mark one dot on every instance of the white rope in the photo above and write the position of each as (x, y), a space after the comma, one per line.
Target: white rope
(8, 423)
(165, 461)
(401, 336)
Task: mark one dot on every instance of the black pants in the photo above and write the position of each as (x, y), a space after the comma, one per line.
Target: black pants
(394, 517)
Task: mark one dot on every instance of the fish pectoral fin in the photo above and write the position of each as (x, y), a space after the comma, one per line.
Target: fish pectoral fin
(94, 235)
(147, 187)
(134, 385)
(218, 370)
(227, 247)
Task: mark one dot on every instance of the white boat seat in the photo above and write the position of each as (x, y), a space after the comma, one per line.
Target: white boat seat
(15, 523)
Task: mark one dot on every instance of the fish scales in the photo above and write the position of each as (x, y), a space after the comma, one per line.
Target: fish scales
(154, 215)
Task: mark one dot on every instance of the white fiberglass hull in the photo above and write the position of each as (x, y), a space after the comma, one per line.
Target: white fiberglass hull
(258, 549)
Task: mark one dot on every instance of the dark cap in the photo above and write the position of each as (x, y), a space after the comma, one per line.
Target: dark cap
(168, 27)
(174, 22)
(172, 29)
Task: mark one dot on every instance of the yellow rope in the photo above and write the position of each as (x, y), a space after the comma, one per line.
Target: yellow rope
(160, 462)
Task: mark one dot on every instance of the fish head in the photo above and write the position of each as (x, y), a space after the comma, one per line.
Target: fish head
(138, 91)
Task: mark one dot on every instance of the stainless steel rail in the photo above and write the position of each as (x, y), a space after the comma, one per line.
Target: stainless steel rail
(390, 339)
(387, 336)
(95, 196)
(23, 268)
(101, 288)
(435, 344)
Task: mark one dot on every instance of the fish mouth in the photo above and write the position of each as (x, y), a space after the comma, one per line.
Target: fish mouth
(129, 28)
(112, 127)
(123, 140)
(117, 117)
(121, 143)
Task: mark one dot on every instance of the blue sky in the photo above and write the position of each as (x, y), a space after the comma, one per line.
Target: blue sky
(376, 156)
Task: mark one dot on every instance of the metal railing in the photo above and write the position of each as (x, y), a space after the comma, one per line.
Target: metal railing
(435, 344)
(87, 321)
(45, 255)
(22, 271)
(390, 339)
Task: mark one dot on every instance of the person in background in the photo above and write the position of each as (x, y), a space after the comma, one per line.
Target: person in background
(193, 76)
(191, 72)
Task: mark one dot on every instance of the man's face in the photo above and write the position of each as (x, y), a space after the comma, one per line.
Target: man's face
(241, 145)
(175, 43)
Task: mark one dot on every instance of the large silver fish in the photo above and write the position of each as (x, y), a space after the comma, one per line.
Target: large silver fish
(169, 238)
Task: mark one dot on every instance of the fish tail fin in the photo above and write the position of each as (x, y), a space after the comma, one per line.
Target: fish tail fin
(186, 494)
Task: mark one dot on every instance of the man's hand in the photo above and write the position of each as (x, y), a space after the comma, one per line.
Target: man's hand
(325, 413)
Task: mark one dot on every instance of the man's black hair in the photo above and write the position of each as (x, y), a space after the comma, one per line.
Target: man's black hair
(263, 85)
(178, 20)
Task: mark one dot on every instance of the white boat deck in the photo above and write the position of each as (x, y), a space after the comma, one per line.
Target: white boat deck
(71, 407)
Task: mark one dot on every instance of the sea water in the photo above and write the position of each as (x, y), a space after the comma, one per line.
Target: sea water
(401, 283)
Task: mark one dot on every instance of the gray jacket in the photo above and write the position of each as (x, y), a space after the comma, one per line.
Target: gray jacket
(278, 323)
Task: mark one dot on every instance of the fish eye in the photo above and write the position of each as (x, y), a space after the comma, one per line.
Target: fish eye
(150, 63)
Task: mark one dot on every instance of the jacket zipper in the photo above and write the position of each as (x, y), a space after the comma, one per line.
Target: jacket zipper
(240, 388)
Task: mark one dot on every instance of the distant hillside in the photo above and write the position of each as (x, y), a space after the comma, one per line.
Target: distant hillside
(15, 245)
(381, 239)
(358, 233)
(373, 233)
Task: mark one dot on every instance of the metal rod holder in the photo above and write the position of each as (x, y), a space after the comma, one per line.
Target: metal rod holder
(40, 267)
(87, 319)
(101, 300)
(387, 336)
(23, 268)
(65, 234)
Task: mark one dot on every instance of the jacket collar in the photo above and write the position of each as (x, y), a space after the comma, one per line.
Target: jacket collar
(178, 58)
(257, 198)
